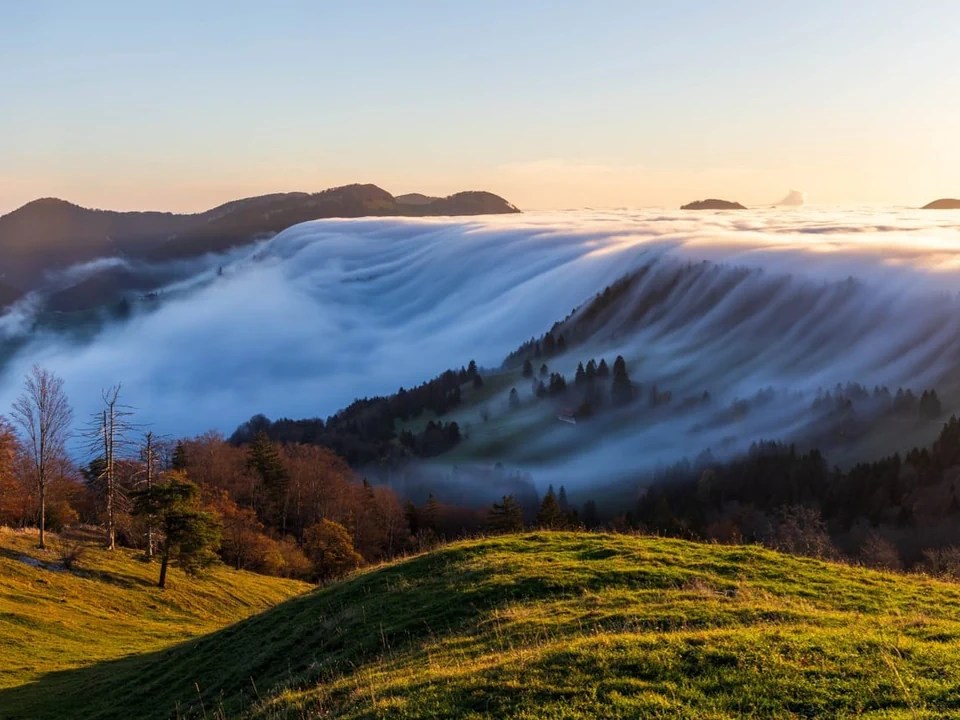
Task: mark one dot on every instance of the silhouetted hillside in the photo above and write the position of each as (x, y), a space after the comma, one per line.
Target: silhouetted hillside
(943, 204)
(51, 234)
(713, 204)
(415, 199)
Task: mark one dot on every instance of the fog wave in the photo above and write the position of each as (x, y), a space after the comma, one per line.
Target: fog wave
(330, 310)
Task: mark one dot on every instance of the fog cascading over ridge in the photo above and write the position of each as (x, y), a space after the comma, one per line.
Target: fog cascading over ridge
(330, 310)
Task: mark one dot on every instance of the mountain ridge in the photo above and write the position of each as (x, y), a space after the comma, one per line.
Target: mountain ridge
(51, 234)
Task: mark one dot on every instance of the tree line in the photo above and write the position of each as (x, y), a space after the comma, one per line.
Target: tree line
(366, 431)
(291, 509)
(901, 511)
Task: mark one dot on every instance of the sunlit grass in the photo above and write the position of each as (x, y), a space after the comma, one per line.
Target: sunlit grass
(109, 607)
(563, 625)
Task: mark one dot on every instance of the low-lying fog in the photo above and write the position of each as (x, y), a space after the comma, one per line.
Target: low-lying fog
(330, 310)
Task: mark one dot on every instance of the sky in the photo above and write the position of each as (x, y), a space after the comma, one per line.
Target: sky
(183, 105)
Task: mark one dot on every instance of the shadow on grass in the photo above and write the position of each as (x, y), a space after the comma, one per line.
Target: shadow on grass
(89, 692)
(301, 641)
(326, 633)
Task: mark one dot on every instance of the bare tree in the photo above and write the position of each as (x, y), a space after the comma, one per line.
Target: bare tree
(109, 438)
(44, 415)
(150, 456)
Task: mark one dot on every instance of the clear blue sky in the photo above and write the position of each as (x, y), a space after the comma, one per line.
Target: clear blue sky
(180, 105)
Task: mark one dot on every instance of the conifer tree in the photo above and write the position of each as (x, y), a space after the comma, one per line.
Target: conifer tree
(591, 371)
(549, 515)
(430, 514)
(179, 459)
(549, 344)
(591, 517)
(190, 536)
(621, 390)
(581, 376)
(264, 461)
(505, 516)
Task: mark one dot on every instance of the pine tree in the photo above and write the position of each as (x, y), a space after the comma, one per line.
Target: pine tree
(581, 376)
(621, 390)
(514, 399)
(558, 384)
(549, 515)
(179, 460)
(562, 501)
(591, 371)
(591, 518)
(549, 345)
(190, 536)
(527, 368)
(265, 462)
(430, 514)
(505, 516)
(602, 369)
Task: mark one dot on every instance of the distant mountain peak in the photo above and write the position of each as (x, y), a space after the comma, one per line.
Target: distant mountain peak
(943, 204)
(713, 204)
(794, 198)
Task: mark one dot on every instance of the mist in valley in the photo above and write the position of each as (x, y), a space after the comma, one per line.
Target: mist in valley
(757, 311)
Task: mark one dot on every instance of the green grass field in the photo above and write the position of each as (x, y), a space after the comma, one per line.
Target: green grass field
(552, 625)
(53, 622)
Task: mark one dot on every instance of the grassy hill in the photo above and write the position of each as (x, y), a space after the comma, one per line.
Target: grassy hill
(54, 621)
(558, 625)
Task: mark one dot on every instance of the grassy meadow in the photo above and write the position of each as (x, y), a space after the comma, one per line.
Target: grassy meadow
(546, 625)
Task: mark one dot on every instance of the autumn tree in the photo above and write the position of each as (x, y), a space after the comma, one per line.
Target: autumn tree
(190, 536)
(241, 530)
(14, 497)
(329, 546)
(43, 415)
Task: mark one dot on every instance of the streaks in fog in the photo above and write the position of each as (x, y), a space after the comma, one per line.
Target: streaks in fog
(330, 310)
